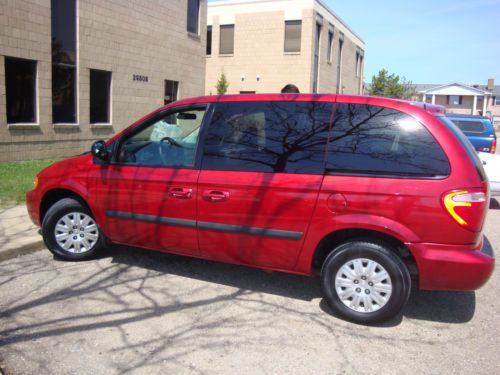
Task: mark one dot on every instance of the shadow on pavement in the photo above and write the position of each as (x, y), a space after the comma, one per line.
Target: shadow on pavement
(494, 205)
(444, 307)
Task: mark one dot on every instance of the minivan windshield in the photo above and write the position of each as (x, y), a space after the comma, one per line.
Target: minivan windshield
(468, 147)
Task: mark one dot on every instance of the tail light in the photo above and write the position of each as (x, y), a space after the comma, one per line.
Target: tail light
(493, 146)
(467, 208)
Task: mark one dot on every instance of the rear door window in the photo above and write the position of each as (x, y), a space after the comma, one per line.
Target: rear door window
(372, 140)
(288, 137)
(470, 126)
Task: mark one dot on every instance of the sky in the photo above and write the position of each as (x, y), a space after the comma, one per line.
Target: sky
(427, 41)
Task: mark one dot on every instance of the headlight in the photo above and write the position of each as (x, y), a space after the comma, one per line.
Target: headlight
(35, 182)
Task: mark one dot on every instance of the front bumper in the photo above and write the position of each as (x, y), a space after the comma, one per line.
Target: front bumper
(453, 267)
(33, 206)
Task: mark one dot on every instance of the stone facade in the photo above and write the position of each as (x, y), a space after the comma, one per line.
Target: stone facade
(147, 38)
(260, 64)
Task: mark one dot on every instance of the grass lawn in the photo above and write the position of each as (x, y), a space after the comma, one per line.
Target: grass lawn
(17, 178)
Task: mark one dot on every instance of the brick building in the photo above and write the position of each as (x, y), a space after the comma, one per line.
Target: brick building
(262, 45)
(72, 71)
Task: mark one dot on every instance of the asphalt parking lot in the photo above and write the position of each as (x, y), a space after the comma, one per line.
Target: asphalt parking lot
(134, 311)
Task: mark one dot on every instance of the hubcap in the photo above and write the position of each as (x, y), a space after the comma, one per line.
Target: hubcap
(363, 285)
(76, 232)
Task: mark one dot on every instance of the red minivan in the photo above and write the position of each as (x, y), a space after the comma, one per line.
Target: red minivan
(372, 194)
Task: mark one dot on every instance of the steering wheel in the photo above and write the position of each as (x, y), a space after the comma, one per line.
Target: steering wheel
(166, 157)
(171, 141)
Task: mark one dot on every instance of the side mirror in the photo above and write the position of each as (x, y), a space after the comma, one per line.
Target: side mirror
(99, 150)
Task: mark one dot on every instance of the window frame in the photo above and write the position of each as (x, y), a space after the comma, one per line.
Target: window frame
(449, 100)
(496, 101)
(329, 52)
(197, 31)
(110, 97)
(292, 23)
(73, 66)
(155, 117)
(208, 51)
(221, 27)
(176, 84)
(35, 121)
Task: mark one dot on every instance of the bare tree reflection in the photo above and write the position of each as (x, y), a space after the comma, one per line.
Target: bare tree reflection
(291, 137)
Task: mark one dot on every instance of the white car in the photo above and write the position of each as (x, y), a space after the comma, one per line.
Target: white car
(491, 164)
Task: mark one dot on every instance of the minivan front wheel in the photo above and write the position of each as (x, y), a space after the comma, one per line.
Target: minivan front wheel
(70, 232)
(365, 282)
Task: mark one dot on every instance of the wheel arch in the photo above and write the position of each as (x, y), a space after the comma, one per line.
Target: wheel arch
(333, 239)
(54, 195)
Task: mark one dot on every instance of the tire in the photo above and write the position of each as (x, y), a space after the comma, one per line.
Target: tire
(355, 286)
(67, 218)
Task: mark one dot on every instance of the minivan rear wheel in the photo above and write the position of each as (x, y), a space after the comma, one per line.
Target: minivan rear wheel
(70, 232)
(365, 282)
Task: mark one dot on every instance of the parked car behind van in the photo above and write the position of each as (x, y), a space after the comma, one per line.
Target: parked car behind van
(478, 129)
(491, 165)
(372, 194)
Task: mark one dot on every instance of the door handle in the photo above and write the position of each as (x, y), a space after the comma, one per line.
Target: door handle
(180, 193)
(215, 195)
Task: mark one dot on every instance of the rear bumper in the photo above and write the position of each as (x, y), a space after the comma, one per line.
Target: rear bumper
(453, 267)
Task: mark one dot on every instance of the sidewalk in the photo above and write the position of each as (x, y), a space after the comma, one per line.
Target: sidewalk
(18, 235)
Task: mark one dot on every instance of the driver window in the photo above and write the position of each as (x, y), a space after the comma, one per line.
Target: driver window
(169, 141)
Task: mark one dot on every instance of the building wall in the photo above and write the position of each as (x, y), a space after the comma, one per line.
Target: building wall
(148, 38)
(258, 52)
(259, 48)
(463, 109)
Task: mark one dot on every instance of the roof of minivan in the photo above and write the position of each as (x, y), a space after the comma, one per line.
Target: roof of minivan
(431, 108)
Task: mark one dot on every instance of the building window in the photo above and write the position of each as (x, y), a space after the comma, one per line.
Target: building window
(360, 72)
(357, 64)
(454, 100)
(100, 97)
(330, 46)
(63, 13)
(193, 14)
(209, 40)
(339, 64)
(20, 87)
(293, 30)
(226, 40)
(317, 38)
(171, 91)
(497, 100)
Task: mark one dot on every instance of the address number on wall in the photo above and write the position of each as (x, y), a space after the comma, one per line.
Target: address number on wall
(137, 77)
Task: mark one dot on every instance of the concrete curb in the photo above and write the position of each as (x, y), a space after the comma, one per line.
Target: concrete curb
(23, 250)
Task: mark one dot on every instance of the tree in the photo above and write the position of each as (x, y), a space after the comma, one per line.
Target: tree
(391, 86)
(222, 84)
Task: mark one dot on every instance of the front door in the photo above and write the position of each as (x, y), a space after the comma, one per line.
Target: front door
(147, 194)
(261, 172)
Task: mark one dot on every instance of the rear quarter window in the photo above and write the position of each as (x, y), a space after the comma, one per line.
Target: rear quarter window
(466, 145)
(470, 126)
(373, 140)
